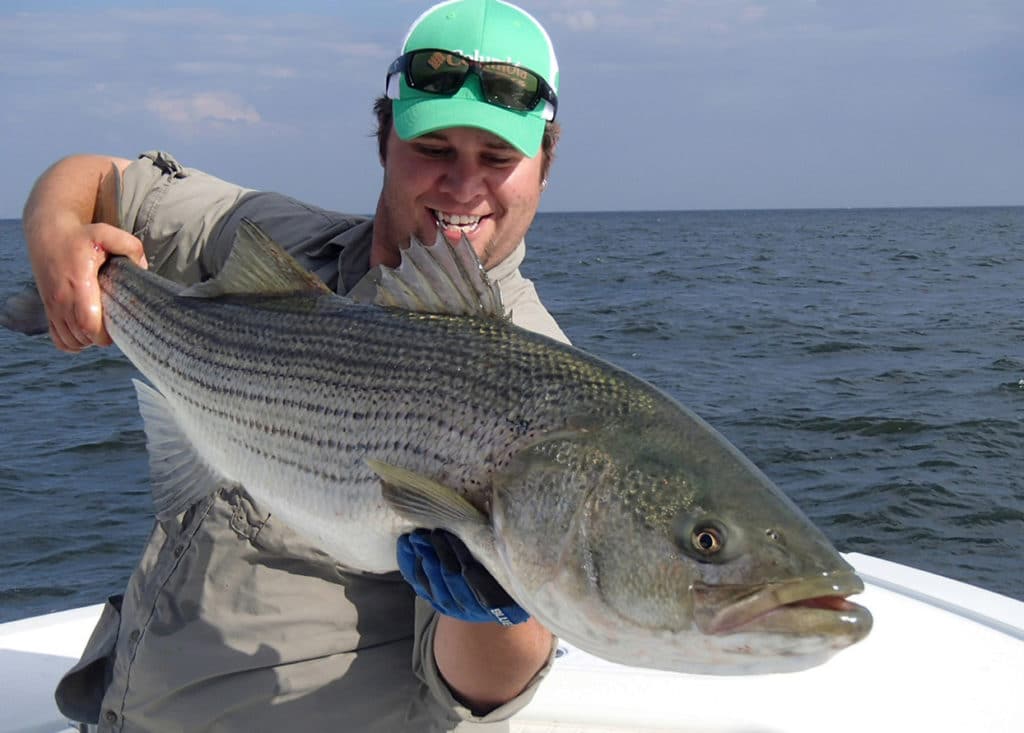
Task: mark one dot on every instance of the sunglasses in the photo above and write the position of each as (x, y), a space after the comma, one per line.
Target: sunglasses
(440, 72)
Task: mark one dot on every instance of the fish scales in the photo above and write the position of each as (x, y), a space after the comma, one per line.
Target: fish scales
(452, 401)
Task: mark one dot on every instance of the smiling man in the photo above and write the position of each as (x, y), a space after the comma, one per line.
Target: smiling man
(232, 621)
(462, 181)
(452, 162)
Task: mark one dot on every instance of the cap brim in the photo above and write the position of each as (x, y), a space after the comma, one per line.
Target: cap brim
(420, 115)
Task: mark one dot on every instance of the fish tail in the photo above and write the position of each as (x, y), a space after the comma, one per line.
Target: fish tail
(25, 313)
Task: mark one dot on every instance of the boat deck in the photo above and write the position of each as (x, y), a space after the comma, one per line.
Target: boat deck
(943, 656)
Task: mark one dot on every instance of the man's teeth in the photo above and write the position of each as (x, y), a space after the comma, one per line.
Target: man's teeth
(461, 221)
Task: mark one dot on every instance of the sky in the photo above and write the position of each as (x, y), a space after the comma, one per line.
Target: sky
(664, 104)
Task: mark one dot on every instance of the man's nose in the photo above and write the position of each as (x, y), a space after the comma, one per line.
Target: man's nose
(463, 180)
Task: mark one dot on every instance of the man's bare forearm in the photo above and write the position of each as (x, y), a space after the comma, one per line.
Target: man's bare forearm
(70, 221)
(487, 665)
(79, 189)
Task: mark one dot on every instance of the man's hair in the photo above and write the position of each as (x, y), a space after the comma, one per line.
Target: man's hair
(385, 117)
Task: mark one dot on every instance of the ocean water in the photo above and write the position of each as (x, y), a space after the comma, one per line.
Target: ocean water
(871, 362)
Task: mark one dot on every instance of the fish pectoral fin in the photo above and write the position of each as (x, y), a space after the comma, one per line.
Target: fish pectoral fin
(445, 278)
(422, 500)
(257, 265)
(179, 477)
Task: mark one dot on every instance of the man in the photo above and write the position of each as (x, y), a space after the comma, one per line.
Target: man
(232, 621)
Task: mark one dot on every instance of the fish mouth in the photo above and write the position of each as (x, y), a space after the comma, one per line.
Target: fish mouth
(806, 606)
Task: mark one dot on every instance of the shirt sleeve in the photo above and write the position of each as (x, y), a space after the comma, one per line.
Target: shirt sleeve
(451, 710)
(175, 211)
(187, 221)
(520, 298)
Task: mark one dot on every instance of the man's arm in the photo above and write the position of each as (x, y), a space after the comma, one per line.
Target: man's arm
(485, 647)
(71, 227)
(487, 665)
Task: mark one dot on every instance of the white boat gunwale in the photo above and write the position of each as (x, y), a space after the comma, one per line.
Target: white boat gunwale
(943, 656)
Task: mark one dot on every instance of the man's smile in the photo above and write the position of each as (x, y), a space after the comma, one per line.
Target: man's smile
(462, 223)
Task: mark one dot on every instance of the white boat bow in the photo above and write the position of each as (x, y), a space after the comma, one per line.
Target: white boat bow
(942, 656)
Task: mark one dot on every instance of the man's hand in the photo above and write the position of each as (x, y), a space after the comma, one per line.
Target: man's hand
(71, 228)
(485, 664)
(441, 570)
(66, 267)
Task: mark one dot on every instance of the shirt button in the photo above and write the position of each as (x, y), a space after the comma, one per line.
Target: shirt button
(134, 636)
(110, 716)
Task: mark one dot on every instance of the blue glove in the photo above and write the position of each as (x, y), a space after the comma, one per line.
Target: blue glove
(441, 570)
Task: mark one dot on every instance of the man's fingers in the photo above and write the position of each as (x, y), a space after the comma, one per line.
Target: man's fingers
(78, 333)
(87, 325)
(63, 339)
(113, 241)
(102, 338)
(445, 552)
(86, 307)
(76, 315)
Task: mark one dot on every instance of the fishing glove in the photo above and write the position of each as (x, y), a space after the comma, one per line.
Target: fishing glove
(441, 570)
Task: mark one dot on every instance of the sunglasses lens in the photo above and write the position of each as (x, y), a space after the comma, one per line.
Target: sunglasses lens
(437, 72)
(443, 72)
(509, 86)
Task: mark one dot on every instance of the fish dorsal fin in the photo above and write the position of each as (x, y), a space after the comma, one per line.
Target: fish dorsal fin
(179, 477)
(422, 500)
(257, 265)
(445, 278)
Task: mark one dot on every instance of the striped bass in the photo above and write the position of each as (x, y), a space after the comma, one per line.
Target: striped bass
(617, 517)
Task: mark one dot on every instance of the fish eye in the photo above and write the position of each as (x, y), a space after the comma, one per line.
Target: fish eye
(707, 539)
(704, 539)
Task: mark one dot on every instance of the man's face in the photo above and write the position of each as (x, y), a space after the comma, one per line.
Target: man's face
(461, 181)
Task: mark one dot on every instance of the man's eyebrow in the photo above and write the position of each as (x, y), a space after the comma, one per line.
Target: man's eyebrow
(495, 144)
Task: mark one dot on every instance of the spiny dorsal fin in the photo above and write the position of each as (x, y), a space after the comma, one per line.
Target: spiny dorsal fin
(445, 278)
(257, 265)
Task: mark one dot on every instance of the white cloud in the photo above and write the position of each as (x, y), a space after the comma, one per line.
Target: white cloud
(577, 20)
(202, 108)
(752, 13)
(221, 68)
(205, 42)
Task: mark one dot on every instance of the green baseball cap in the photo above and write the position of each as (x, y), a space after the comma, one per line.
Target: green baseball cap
(481, 31)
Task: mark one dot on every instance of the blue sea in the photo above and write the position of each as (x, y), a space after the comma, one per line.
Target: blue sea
(870, 361)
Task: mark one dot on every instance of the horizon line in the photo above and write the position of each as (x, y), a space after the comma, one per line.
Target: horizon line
(884, 207)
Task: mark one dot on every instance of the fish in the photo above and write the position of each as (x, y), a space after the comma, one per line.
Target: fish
(617, 517)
